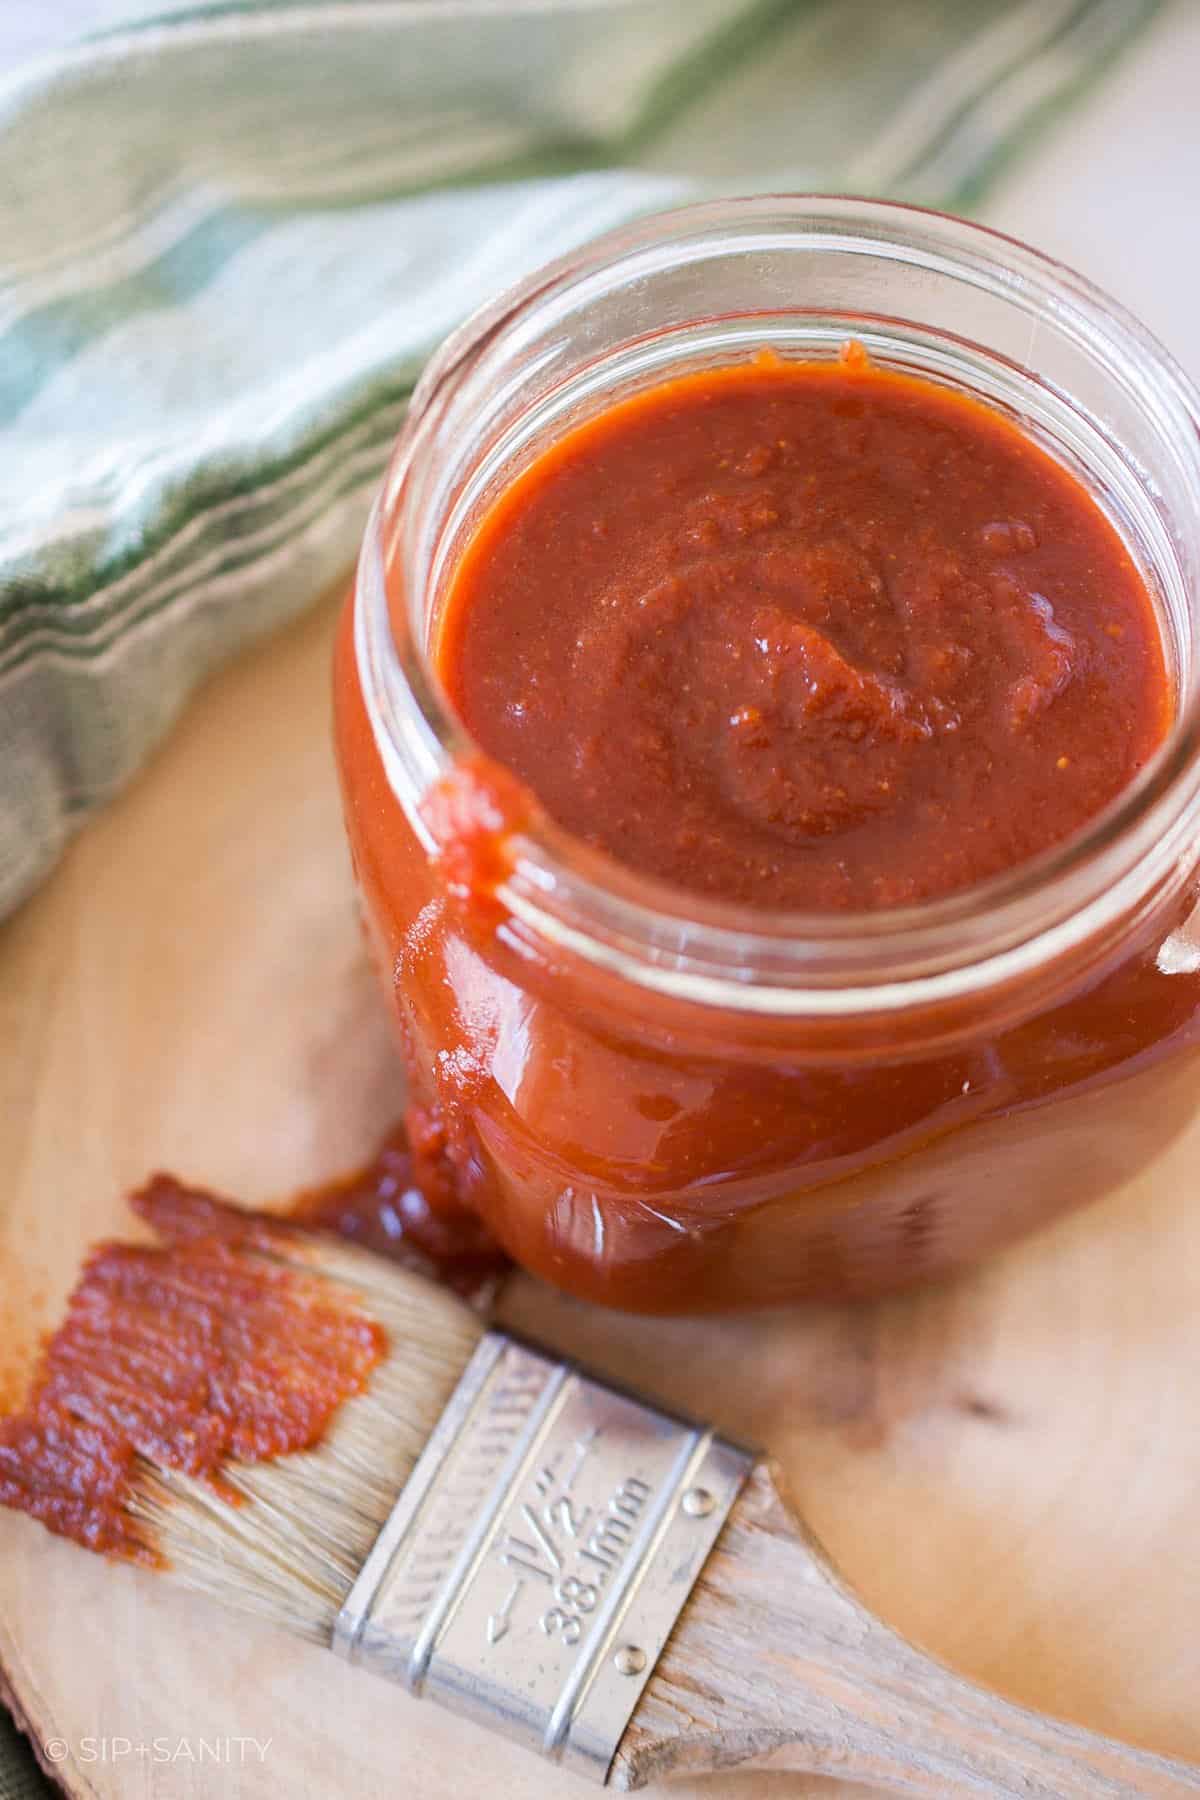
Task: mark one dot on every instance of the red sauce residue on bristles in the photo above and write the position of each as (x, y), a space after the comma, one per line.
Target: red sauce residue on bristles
(187, 1354)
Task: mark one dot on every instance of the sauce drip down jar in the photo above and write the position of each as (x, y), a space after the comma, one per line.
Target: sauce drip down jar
(666, 1103)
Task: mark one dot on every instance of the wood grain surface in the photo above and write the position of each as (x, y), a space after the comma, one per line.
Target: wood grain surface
(774, 1660)
(1006, 1468)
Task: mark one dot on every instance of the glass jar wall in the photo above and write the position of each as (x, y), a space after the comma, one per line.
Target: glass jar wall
(665, 1103)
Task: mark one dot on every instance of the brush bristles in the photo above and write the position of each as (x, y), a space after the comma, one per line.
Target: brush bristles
(292, 1552)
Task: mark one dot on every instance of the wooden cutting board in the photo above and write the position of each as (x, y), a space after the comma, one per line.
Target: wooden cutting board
(1007, 1467)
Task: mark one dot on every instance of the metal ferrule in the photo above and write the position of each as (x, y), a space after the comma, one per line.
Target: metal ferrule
(541, 1552)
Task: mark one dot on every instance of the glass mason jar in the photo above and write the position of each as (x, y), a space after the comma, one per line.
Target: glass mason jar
(665, 1103)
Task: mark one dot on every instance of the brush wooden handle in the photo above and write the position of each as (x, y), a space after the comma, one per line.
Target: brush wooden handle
(772, 1661)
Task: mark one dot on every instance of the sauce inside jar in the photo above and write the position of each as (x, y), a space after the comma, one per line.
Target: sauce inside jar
(811, 637)
(806, 636)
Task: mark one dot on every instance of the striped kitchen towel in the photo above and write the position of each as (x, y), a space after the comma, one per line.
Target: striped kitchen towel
(230, 234)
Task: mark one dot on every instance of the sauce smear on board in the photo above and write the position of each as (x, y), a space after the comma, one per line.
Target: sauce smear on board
(405, 1204)
(813, 636)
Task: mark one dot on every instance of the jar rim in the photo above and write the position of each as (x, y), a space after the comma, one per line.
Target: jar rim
(729, 954)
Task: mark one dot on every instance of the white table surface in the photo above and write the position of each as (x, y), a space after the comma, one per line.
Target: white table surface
(1114, 189)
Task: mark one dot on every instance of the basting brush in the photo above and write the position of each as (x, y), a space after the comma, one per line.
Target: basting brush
(612, 1585)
